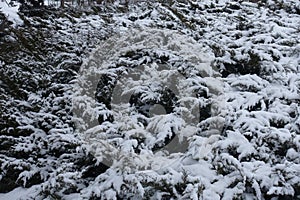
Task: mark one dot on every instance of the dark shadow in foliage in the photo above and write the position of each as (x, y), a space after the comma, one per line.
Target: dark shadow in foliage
(29, 4)
(33, 180)
(92, 169)
(4, 24)
(104, 93)
(168, 100)
(8, 181)
(251, 66)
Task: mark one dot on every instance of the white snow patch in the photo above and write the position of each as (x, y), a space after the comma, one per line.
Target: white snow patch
(19, 193)
(10, 10)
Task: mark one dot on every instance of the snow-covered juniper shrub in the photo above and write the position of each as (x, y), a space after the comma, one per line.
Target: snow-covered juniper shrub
(37, 65)
(257, 156)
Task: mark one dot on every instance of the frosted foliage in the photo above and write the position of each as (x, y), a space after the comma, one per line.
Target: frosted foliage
(186, 69)
(152, 100)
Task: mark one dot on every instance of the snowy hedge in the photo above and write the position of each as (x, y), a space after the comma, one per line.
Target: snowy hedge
(246, 147)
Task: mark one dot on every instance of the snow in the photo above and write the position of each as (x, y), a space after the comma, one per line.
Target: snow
(10, 10)
(240, 61)
(19, 193)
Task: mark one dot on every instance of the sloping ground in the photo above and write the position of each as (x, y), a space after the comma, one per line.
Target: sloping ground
(256, 57)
